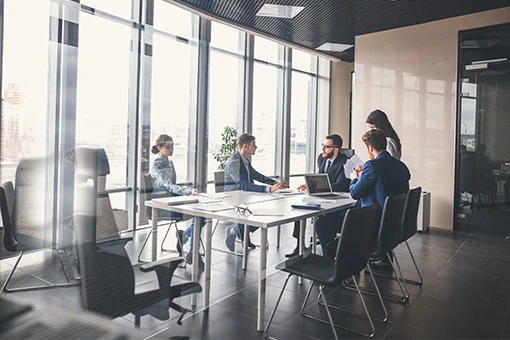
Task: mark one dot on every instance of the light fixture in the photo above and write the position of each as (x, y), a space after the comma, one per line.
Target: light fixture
(334, 47)
(279, 11)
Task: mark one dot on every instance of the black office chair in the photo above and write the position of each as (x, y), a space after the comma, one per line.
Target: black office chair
(348, 152)
(352, 254)
(108, 285)
(409, 227)
(390, 235)
(147, 190)
(14, 242)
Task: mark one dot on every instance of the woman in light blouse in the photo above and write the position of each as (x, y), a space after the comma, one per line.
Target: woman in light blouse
(164, 181)
(377, 119)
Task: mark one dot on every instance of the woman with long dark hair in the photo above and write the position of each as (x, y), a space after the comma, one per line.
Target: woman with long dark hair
(377, 119)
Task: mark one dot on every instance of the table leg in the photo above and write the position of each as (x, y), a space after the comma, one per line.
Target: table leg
(196, 247)
(154, 253)
(207, 283)
(261, 305)
(314, 239)
(302, 225)
(245, 246)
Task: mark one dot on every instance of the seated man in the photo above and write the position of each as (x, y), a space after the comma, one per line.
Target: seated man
(239, 174)
(330, 161)
(378, 178)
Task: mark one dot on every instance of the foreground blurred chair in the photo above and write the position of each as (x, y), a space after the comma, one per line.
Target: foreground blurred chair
(14, 243)
(108, 279)
(352, 255)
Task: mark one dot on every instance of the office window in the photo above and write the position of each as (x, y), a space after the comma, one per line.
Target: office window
(301, 111)
(24, 84)
(267, 103)
(226, 84)
(174, 20)
(103, 91)
(120, 8)
(303, 61)
(173, 98)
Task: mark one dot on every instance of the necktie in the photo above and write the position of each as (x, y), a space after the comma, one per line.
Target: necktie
(328, 165)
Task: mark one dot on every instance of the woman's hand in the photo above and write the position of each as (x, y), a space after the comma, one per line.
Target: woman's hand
(194, 192)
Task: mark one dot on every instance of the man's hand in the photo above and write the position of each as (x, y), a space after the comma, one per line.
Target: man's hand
(302, 187)
(194, 192)
(356, 172)
(280, 185)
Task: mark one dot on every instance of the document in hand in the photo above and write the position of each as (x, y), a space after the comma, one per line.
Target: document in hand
(176, 200)
(351, 163)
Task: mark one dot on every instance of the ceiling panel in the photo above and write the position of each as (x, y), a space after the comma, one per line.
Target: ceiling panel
(337, 21)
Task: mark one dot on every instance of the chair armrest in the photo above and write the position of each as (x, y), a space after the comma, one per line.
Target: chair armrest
(147, 267)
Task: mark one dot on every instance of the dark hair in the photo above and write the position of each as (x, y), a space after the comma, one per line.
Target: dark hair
(244, 138)
(375, 138)
(380, 120)
(160, 141)
(337, 140)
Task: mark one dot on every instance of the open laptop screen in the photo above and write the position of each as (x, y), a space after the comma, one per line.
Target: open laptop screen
(317, 183)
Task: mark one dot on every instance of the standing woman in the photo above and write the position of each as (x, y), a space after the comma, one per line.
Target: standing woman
(164, 181)
(377, 119)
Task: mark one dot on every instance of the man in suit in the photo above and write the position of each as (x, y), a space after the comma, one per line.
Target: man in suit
(239, 174)
(330, 161)
(380, 177)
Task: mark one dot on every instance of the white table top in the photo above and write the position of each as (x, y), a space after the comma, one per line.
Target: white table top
(255, 201)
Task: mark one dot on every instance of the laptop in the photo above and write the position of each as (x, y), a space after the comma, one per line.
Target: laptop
(318, 185)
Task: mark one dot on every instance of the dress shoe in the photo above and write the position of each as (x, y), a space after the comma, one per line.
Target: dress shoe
(295, 252)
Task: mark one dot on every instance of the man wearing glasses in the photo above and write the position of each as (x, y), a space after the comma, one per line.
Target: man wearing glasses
(330, 161)
(239, 174)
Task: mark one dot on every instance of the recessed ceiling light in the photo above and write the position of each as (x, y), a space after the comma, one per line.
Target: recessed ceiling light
(279, 11)
(334, 47)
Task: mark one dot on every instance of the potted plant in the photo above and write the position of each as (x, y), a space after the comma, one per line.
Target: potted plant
(228, 146)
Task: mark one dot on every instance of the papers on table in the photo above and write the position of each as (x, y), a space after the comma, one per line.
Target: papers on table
(176, 200)
(288, 192)
(318, 200)
(351, 163)
(219, 195)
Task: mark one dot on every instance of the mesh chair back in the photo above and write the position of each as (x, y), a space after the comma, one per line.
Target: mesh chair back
(6, 208)
(390, 228)
(148, 190)
(347, 152)
(354, 245)
(410, 218)
(219, 181)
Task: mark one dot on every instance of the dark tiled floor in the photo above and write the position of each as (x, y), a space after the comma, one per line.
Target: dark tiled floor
(465, 293)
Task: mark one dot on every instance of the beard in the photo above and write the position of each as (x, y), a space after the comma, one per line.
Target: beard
(328, 155)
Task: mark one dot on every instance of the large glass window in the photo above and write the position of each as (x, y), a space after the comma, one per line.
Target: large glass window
(301, 106)
(173, 98)
(103, 94)
(174, 20)
(24, 84)
(226, 84)
(267, 102)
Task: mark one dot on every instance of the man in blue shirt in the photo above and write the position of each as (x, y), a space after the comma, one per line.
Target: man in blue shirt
(380, 177)
(239, 174)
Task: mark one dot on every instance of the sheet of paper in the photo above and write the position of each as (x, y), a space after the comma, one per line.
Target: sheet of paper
(212, 207)
(351, 163)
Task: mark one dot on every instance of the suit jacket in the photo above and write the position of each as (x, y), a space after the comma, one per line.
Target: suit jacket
(236, 176)
(336, 174)
(381, 177)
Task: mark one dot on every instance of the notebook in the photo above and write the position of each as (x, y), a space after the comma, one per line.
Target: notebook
(318, 185)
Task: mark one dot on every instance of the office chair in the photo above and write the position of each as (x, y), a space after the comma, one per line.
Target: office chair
(147, 190)
(108, 279)
(389, 236)
(409, 226)
(352, 254)
(15, 242)
(348, 152)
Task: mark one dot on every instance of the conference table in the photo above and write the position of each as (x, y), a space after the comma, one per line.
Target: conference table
(266, 210)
